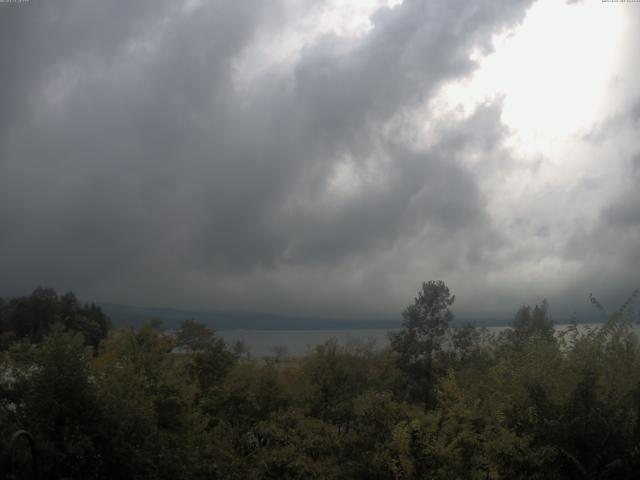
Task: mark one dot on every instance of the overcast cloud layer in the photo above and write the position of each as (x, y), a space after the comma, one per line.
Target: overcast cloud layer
(245, 155)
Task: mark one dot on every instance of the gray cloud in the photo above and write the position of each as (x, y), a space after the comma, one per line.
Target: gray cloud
(133, 167)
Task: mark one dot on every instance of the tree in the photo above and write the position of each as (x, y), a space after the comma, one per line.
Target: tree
(424, 326)
(531, 323)
(210, 359)
(239, 349)
(145, 405)
(336, 378)
(194, 336)
(34, 316)
(59, 405)
(279, 352)
(466, 341)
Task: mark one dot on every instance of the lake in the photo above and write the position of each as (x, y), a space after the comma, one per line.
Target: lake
(297, 342)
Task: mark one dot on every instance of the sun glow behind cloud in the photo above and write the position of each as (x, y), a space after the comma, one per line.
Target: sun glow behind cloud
(555, 76)
(553, 71)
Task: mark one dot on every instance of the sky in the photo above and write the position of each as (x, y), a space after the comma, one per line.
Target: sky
(321, 157)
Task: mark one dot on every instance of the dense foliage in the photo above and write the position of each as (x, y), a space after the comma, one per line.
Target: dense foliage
(439, 403)
(31, 318)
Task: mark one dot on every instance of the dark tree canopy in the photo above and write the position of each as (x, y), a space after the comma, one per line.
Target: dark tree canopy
(425, 322)
(32, 317)
(210, 358)
(531, 324)
(194, 336)
(424, 326)
(439, 403)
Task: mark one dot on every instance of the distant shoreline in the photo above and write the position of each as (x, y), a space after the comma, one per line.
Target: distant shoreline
(261, 343)
(169, 318)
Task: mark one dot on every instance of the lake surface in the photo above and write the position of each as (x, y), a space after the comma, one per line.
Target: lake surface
(298, 342)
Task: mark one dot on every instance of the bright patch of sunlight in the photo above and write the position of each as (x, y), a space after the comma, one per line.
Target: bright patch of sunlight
(553, 71)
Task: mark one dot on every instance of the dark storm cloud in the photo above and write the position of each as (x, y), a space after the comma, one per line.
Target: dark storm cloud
(609, 248)
(130, 158)
(635, 112)
(624, 212)
(341, 91)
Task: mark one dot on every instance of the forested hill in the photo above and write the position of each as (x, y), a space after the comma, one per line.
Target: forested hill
(122, 315)
(170, 318)
(219, 320)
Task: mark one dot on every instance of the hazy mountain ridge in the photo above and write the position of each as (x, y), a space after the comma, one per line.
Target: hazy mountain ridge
(237, 320)
(234, 320)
